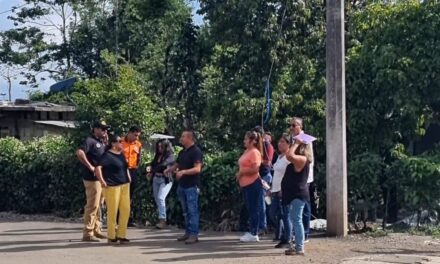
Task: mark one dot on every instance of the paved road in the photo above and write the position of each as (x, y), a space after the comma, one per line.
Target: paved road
(59, 243)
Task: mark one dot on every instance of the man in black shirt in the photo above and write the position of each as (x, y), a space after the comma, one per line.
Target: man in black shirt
(187, 169)
(89, 154)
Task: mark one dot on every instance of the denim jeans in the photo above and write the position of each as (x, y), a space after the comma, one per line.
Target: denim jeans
(276, 213)
(296, 208)
(253, 198)
(189, 199)
(264, 212)
(287, 223)
(160, 192)
(307, 214)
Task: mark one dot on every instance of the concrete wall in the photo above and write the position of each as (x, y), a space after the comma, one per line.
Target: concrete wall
(20, 124)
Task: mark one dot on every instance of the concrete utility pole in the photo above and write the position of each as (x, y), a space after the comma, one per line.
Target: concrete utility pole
(337, 222)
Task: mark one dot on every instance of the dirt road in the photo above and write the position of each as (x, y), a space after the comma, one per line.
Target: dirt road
(29, 242)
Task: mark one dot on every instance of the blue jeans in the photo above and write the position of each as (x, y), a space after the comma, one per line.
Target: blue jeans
(253, 198)
(160, 192)
(189, 199)
(263, 213)
(307, 214)
(276, 212)
(296, 208)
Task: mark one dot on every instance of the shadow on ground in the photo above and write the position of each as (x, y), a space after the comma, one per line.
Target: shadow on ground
(149, 242)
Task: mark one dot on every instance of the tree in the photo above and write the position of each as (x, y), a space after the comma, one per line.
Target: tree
(118, 98)
(33, 42)
(246, 38)
(9, 73)
(393, 92)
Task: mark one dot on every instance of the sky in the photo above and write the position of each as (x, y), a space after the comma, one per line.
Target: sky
(20, 91)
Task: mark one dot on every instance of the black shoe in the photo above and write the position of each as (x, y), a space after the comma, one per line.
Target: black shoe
(192, 240)
(123, 240)
(183, 238)
(112, 241)
(282, 244)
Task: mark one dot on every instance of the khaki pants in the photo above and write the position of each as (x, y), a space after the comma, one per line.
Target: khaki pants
(117, 198)
(92, 210)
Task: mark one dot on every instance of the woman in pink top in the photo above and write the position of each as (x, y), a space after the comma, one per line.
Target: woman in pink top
(250, 182)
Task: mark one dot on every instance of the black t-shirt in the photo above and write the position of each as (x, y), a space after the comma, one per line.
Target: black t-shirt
(160, 164)
(186, 160)
(294, 184)
(114, 168)
(94, 149)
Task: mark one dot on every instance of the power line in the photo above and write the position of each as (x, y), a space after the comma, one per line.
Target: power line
(12, 9)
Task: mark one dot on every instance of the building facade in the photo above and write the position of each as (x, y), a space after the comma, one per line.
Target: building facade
(26, 120)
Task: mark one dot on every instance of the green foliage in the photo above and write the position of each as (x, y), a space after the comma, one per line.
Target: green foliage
(220, 193)
(119, 99)
(393, 90)
(243, 40)
(392, 97)
(11, 158)
(167, 73)
(377, 233)
(365, 178)
(30, 44)
(433, 231)
(418, 181)
(40, 176)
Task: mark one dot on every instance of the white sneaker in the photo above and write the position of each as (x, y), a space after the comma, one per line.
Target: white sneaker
(248, 237)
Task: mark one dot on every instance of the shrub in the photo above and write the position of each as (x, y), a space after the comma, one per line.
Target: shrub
(11, 151)
(40, 176)
(418, 181)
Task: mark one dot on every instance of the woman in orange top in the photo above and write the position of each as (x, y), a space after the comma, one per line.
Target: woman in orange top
(250, 182)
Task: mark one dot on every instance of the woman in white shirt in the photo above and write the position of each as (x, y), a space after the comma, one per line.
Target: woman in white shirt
(276, 211)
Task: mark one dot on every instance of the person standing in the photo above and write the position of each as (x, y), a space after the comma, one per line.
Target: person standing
(295, 192)
(265, 171)
(162, 183)
(297, 128)
(250, 183)
(113, 173)
(277, 210)
(132, 148)
(89, 154)
(187, 170)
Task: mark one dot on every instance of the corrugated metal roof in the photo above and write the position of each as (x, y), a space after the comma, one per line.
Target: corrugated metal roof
(66, 124)
(37, 106)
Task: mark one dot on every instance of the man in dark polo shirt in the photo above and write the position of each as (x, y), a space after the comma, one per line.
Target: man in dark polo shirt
(89, 155)
(187, 169)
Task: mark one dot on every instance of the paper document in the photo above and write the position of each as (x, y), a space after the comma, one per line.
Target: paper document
(305, 138)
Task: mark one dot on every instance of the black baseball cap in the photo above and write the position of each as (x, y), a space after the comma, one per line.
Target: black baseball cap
(101, 124)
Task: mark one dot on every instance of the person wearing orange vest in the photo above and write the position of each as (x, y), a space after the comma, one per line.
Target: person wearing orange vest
(132, 151)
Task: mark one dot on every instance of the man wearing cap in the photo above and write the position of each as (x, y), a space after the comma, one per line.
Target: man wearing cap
(132, 151)
(296, 128)
(89, 154)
